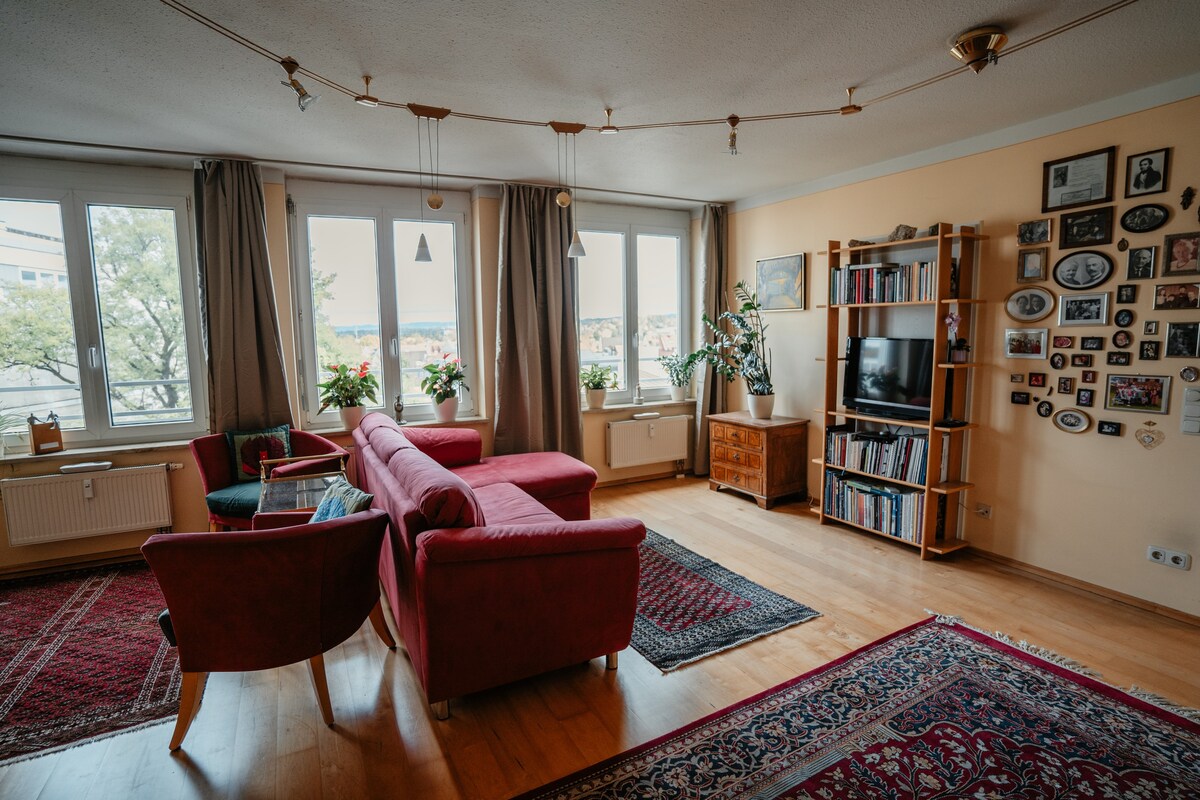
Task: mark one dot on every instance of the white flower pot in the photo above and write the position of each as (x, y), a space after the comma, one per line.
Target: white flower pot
(679, 393)
(351, 416)
(446, 410)
(595, 397)
(761, 405)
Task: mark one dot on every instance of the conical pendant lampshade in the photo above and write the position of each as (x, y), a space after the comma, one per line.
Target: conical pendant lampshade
(423, 250)
(576, 249)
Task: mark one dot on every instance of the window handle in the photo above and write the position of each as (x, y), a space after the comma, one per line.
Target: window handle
(394, 346)
(94, 357)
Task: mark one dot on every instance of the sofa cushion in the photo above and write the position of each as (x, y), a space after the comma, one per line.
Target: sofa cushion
(248, 448)
(386, 440)
(505, 504)
(450, 447)
(442, 497)
(341, 500)
(235, 500)
(542, 475)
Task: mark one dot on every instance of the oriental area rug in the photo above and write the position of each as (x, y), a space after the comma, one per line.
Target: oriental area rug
(937, 710)
(690, 607)
(82, 656)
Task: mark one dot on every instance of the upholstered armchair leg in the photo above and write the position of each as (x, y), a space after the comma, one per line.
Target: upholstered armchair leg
(214, 527)
(189, 703)
(610, 661)
(379, 623)
(441, 709)
(316, 670)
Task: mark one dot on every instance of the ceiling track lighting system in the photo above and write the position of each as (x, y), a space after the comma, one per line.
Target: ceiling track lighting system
(432, 117)
(733, 121)
(303, 98)
(366, 99)
(850, 107)
(979, 47)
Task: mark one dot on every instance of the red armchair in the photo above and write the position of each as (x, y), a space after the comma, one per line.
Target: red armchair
(232, 503)
(244, 601)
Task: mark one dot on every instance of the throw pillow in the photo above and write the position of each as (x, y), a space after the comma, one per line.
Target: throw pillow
(251, 447)
(341, 500)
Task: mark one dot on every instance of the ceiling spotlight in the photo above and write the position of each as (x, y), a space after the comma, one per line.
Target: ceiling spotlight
(979, 47)
(303, 98)
(365, 99)
(733, 121)
(850, 107)
(608, 127)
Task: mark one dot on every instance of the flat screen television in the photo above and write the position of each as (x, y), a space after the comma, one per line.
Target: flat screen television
(888, 377)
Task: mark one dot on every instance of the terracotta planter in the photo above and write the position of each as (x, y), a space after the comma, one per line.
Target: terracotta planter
(351, 416)
(595, 397)
(447, 410)
(761, 405)
(679, 393)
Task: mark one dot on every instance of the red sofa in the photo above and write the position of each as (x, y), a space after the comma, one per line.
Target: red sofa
(493, 570)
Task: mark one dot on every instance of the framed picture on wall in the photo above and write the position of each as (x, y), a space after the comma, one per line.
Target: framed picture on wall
(1031, 265)
(1084, 228)
(1080, 180)
(1172, 296)
(1034, 232)
(1107, 427)
(1140, 265)
(1029, 304)
(1145, 394)
(1037, 379)
(1183, 339)
(1146, 173)
(1025, 342)
(1180, 254)
(1083, 270)
(1083, 309)
(780, 282)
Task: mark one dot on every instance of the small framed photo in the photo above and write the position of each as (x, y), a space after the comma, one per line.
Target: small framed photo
(1037, 379)
(1148, 350)
(1086, 269)
(1179, 254)
(1029, 304)
(1085, 398)
(1066, 385)
(1123, 318)
(780, 282)
(1031, 265)
(1088, 376)
(1091, 342)
(1183, 339)
(1145, 394)
(1146, 173)
(1083, 309)
(1106, 427)
(1080, 180)
(1045, 408)
(1058, 361)
(1019, 398)
(1172, 296)
(1081, 360)
(1122, 339)
(1034, 232)
(1025, 342)
(1145, 218)
(1016, 377)
(1150, 327)
(1141, 262)
(1126, 294)
(1085, 228)
(1118, 358)
(1064, 342)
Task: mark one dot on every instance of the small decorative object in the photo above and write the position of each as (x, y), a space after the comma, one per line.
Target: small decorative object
(1072, 420)
(1083, 309)
(1149, 439)
(1019, 398)
(960, 352)
(1029, 304)
(1082, 180)
(1180, 254)
(865, 243)
(1148, 350)
(1045, 408)
(44, 437)
(1108, 428)
(1034, 232)
(1037, 379)
(1142, 393)
(1025, 342)
(1066, 385)
(1126, 295)
(1016, 377)
(954, 277)
(1183, 339)
(780, 282)
(679, 371)
(1088, 376)
(933, 229)
(1122, 339)
(1123, 318)
(442, 381)
(902, 233)
(1123, 244)
(1146, 173)
(1171, 296)
(1031, 265)
(1091, 342)
(1189, 374)
(1064, 342)
(398, 409)
(638, 400)
(346, 389)
(1118, 359)
(1058, 361)
(1141, 263)
(1081, 360)
(1185, 199)
(1084, 228)
(1083, 270)
(1085, 398)
(597, 379)
(1150, 327)
(1145, 218)
(744, 352)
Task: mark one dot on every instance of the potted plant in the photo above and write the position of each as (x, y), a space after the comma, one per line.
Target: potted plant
(346, 389)
(9, 421)
(739, 350)
(597, 379)
(960, 351)
(679, 371)
(442, 384)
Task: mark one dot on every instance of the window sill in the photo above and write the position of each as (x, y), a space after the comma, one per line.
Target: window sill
(649, 404)
(69, 453)
(420, 423)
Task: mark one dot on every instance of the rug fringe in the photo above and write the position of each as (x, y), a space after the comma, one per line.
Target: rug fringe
(150, 723)
(739, 643)
(1153, 699)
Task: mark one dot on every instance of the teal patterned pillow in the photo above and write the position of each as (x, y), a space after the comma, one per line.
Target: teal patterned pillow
(248, 448)
(341, 500)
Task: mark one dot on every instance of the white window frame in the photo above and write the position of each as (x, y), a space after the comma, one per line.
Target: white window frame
(383, 204)
(75, 186)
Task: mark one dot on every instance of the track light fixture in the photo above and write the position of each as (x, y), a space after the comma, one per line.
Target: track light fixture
(979, 47)
(733, 121)
(608, 127)
(303, 98)
(365, 99)
(850, 107)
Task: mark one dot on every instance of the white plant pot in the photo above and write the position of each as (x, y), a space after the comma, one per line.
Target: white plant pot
(679, 393)
(447, 410)
(761, 405)
(351, 416)
(595, 397)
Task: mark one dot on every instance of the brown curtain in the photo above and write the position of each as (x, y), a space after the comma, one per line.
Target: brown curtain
(537, 365)
(247, 388)
(710, 387)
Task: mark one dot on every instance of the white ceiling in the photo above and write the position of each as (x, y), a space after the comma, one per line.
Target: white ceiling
(138, 73)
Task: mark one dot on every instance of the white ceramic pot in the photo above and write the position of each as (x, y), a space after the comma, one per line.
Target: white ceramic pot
(351, 416)
(595, 397)
(761, 405)
(446, 410)
(679, 393)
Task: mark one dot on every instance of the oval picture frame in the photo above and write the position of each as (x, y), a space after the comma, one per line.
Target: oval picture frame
(1029, 304)
(1145, 218)
(1122, 339)
(1083, 269)
(1123, 318)
(1072, 420)
(1045, 408)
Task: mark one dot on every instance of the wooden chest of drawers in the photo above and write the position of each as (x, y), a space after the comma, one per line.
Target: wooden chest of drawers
(765, 458)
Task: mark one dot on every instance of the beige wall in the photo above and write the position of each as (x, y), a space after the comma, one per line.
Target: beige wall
(1086, 506)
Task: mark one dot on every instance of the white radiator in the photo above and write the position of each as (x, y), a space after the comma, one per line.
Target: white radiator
(647, 441)
(50, 508)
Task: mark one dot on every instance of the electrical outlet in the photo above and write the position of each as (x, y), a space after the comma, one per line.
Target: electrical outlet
(1168, 558)
(983, 510)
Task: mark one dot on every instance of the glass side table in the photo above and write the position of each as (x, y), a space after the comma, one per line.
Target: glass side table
(303, 493)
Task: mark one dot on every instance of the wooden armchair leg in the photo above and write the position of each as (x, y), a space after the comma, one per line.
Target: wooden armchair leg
(610, 661)
(379, 623)
(316, 670)
(189, 703)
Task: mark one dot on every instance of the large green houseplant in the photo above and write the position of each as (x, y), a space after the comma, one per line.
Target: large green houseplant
(739, 350)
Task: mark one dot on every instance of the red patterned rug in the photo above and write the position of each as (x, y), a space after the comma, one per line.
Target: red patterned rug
(937, 710)
(690, 607)
(82, 656)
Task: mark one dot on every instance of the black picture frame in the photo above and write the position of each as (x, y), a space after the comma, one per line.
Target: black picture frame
(1148, 172)
(1183, 340)
(1106, 427)
(1081, 360)
(1019, 398)
(1088, 376)
(1122, 339)
(1085, 179)
(1036, 231)
(1085, 228)
(1091, 342)
(1037, 379)
(1176, 296)
(1063, 342)
(1058, 360)
(1126, 294)
(1141, 262)
(1123, 318)
(1045, 408)
(1083, 269)
(1119, 358)
(1145, 218)
(1066, 385)
(1085, 398)
(1149, 349)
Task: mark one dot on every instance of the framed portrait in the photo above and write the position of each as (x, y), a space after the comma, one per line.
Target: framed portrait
(1141, 263)
(1058, 361)
(1150, 327)
(1066, 385)
(1064, 341)
(1025, 342)
(1031, 264)
(1087, 376)
(1145, 394)
(1126, 294)
(1034, 232)
(1180, 253)
(1019, 398)
(1080, 180)
(1143, 219)
(1107, 427)
(1146, 173)
(1029, 304)
(1119, 358)
(1085, 228)
(1122, 339)
(1091, 342)
(780, 282)
(1081, 360)
(1083, 270)
(1123, 318)
(1183, 339)
(1016, 377)
(1045, 408)
(1072, 420)
(1085, 398)
(1172, 296)
(1148, 350)
(1083, 309)
(1037, 379)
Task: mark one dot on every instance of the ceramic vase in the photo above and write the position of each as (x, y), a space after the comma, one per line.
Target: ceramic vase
(761, 405)
(351, 416)
(595, 397)
(446, 410)
(679, 393)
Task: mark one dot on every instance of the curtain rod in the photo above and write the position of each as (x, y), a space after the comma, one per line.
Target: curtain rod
(120, 148)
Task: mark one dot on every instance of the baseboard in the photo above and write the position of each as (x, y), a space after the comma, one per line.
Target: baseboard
(639, 478)
(1075, 583)
(57, 564)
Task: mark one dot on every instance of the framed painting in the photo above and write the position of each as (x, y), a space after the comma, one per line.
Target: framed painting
(780, 282)
(1146, 173)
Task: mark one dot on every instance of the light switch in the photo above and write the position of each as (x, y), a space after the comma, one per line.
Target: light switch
(1190, 421)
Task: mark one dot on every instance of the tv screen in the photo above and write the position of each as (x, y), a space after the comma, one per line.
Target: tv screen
(888, 377)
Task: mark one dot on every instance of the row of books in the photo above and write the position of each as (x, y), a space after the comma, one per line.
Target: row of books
(902, 457)
(888, 509)
(883, 283)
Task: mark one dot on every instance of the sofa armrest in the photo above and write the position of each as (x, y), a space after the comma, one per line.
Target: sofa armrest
(521, 541)
(279, 519)
(450, 447)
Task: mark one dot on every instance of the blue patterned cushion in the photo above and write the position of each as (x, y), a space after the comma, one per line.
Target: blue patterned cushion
(341, 500)
(248, 448)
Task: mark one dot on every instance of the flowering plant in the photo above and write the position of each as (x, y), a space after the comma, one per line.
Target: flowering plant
(348, 386)
(952, 323)
(444, 378)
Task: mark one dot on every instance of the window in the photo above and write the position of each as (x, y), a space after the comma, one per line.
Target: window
(365, 298)
(633, 294)
(98, 307)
